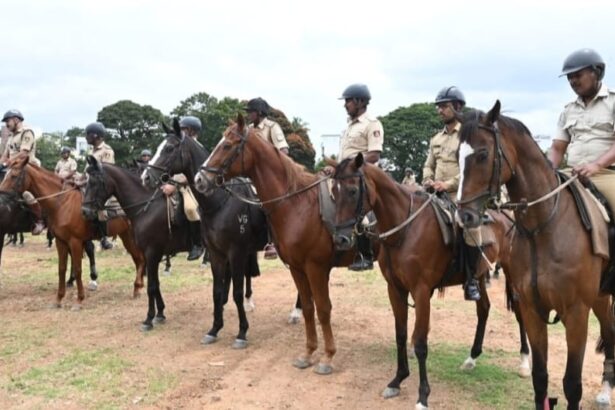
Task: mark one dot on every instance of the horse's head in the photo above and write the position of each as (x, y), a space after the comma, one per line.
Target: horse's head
(167, 160)
(17, 179)
(228, 159)
(351, 201)
(96, 190)
(484, 165)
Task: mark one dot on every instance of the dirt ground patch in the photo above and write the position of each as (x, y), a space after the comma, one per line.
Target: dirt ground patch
(98, 358)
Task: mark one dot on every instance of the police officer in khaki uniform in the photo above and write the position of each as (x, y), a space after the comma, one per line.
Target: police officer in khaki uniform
(22, 141)
(270, 131)
(586, 127)
(66, 167)
(364, 134)
(94, 135)
(409, 178)
(190, 127)
(441, 174)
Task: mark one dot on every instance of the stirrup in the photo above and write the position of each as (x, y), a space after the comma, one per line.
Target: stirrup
(270, 251)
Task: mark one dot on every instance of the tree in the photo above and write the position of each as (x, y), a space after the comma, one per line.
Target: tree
(70, 136)
(48, 149)
(214, 114)
(136, 127)
(407, 133)
(300, 146)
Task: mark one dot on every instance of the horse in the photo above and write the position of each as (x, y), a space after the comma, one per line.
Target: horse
(63, 210)
(413, 259)
(292, 206)
(555, 268)
(234, 231)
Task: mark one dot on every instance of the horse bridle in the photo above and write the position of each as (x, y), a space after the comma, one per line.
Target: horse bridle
(226, 164)
(357, 221)
(165, 176)
(493, 195)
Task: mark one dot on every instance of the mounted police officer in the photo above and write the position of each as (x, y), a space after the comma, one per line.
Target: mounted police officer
(586, 130)
(441, 174)
(66, 168)
(258, 109)
(409, 178)
(22, 141)
(146, 156)
(364, 134)
(95, 136)
(190, 127)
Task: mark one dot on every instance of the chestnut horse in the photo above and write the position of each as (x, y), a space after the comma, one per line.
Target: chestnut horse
(415, 259)
(555, 268)
(63, 210)
(292, 205)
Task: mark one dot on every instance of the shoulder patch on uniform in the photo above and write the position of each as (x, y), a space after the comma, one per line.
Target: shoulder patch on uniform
(376, 133)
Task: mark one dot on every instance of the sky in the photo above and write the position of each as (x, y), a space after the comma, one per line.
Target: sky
(64, 60)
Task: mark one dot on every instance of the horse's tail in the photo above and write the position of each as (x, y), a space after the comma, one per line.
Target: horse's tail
(253, 269)
(600, 345)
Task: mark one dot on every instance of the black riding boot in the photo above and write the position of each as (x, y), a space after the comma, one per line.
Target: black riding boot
(195, 238)
(471, 258)
(104, 241)
(364, 258)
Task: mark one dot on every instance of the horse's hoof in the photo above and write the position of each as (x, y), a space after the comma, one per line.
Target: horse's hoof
(158, 320)
(301, 363)
(468, 365)
(55, 305)
(294, 317)
(239, 344)
(146, 327)
(419, 406)
(248, 305)
(69, 284)
(323, 369)
(76, 307)
(92, 285)
(524, 372)
(603, 400)
(209, 339)
(167, 272)
(391, 392)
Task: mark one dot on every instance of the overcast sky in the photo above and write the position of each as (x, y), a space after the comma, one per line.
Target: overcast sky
(62, 61)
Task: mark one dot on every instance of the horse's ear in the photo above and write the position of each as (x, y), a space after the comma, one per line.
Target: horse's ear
(176, 128)
(359, 161)
(90, 160)
(241, 123)
(166, 128)
(494, 113)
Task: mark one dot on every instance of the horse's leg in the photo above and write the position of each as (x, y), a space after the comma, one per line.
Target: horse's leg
(238, 267)
(575, 320)
(399, 303)
(319, 283)
(89, 248)
(219, 271)
(305, 293)
(76, 254)
(21, 239)
(482, 312)
(422, 308)
(167, 265)
(139, 260)
(538, 337)
(153, 258)
(248, 303)
(602, 309)
(512, 301)
(295, 314)
(62, 248)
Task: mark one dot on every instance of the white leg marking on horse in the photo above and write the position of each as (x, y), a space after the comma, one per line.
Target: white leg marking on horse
(469, 364)
(248, 304)
(92, 285)
(525, 370)
(604, 397)
(295, 316)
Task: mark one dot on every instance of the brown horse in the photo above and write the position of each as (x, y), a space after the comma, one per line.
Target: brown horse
(555, 268)
(414, 259)
(63, 209)
(291, 203)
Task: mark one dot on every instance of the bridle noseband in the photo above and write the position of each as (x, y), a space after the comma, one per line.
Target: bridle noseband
(357, 221)
(227, 163)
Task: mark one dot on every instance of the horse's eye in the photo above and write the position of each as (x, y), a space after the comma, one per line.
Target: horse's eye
(482, 155)
(168, 148)
(226, 146)
(352, 191)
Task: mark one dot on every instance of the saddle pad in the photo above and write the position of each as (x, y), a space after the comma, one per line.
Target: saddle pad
(327, 207)
(599, 219)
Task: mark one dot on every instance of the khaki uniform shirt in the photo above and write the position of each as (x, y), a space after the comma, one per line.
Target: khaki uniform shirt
(363, 134)
(23, 139)
(589, 129)
(271, 132)
(65, 166)
(441, 163)
(410, 181)
(104, 153)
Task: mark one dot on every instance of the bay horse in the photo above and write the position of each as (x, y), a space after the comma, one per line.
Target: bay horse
(234, 231)
(555, 268)
(414, 259)
(63, 210)
(292, 207)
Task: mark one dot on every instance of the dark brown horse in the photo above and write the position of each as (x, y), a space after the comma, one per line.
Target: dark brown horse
(414, 259)
(301, 238)
(555, 268)
(63, 209)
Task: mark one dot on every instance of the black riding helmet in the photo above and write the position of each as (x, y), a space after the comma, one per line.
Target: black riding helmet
(12, 114)
(65, 149)
(96, 128)
(190, 121)
(584, 58)
(358, 91)
(258, 105)
(451, 93)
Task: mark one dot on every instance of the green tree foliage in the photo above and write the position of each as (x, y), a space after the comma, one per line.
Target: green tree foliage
(48, 149)
(137, 126)
(70, 136)
(296, 131)
(214, 114)
(407, 133)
